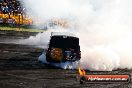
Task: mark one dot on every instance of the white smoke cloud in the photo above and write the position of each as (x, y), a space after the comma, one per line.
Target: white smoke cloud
(103, 26)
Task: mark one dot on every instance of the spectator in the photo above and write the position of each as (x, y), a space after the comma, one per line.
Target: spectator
(0, 7)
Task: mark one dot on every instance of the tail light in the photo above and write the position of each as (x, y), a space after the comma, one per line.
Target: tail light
(79, 54)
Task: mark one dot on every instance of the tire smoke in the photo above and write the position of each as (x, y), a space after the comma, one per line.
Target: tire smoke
(103, 26)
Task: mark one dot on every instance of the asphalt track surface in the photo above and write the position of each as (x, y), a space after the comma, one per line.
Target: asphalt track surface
(19, 68)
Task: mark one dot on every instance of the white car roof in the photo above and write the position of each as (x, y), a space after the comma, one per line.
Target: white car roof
(63, 34)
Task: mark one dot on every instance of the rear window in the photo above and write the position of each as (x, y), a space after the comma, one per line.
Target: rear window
(64, 42)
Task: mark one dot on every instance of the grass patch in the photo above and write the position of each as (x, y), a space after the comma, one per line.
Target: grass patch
(21, 29)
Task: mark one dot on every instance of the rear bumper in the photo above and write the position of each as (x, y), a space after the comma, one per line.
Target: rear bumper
(49, 59)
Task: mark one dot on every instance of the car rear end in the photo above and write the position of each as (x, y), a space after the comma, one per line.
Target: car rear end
(63, 48)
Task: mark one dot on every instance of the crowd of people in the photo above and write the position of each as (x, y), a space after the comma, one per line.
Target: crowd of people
(12, 12)
(11, 6)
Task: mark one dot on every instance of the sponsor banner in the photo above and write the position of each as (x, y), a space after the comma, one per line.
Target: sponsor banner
(1, 20)
(10, 21)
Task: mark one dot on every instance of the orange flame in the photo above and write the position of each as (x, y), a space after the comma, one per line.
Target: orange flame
(81, 71)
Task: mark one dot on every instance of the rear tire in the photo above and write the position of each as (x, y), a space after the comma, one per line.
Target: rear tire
(81, 81)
